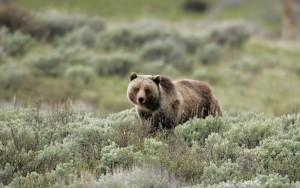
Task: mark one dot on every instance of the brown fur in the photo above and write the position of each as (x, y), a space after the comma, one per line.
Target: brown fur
(166, 103)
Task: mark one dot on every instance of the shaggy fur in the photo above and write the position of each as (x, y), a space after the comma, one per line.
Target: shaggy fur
(165, 103)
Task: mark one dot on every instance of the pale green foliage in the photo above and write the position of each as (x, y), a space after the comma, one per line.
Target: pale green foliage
(280, 156)
(214, 174)
(84, 36)
(231, 34)
(134, 36)
(114, 157)
(153, 149)
(66, 149)
(209, 54)
(197, 130)
(262, 181)
(15, 43)
(13, 76)
(138, 177)
(217, 149)
(54, 24)
(117, 64)
(51, 64)
(80, 75)
(168, 51)
(252, 132)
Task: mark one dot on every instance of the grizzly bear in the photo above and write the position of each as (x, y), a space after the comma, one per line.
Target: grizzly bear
(165, 103)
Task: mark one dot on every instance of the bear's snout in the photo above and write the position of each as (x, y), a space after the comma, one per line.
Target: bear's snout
(141, 100)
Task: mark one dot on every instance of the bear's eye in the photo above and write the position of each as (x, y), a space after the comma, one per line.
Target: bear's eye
(147, 91)
(136, 89)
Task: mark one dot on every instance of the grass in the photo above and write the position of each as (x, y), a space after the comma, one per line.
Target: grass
(123, 10)
(166, 10)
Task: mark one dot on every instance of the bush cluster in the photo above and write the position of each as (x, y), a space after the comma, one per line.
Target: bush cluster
(55, 24)
(13, 43)
(65, 148)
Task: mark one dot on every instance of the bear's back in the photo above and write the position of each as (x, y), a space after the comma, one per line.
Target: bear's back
(193, 89)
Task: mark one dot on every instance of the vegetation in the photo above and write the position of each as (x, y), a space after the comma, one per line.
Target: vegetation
(108, 52)
(64, 74)
(61, 147)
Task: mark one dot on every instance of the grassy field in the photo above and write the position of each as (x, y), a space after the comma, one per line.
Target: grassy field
(257, 11)
(122, 10)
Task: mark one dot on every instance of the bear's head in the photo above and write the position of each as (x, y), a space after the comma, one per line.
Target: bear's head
(143, 91)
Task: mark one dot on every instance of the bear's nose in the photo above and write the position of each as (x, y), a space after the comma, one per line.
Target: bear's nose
(141, 100)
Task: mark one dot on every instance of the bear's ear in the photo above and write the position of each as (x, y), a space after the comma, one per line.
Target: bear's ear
(156, 79)
(133, 76)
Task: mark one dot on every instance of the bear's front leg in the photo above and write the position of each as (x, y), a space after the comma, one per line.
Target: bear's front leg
(162, 120)
(144, 116)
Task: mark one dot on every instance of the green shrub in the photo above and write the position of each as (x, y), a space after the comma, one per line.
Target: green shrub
(214, 174)
(97, 24)
(192, 42)
(249, 64)
(134, 36)
(249, 165)
(52, 64)
(51, 156)
(231, 34)
(116, 64)
(280, 156)
(13, 76)
(197, 130)
(217, 149)
(261, 181)
(15, 43)
(251, 133)
(90, 140)
(154, 150)
(209, 54)
(84, 36)
(167, 51)
(113, 157)
(63, 148)
(56, 24)
(80, 75)
(138, 177)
